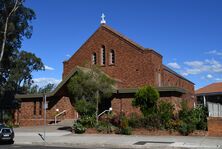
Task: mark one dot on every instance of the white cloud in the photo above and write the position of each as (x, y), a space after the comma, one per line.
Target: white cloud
(174, 65)
(214, 52)
(209, 76)
(48, 68)
(67, 55)
(218, 79)
(44, 81)
(197, 67)
(194, 63)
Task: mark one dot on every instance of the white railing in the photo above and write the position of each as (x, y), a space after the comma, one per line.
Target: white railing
(110, 109)
(64, 111)
(215, 109)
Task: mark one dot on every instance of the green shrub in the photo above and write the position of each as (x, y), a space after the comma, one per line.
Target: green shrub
(78, 128)
(165, 111)
(134, 121)
(201, 114)
(125, 131)
(87, 121)
(105, 127)
(151, 122)
(124, 125)
(115, 120)
(173, 124)
(192, 119)
(85, 108)
(146, 98)
(186, 128)
(123, 121)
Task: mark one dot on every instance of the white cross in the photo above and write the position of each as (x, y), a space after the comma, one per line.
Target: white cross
(103, 21)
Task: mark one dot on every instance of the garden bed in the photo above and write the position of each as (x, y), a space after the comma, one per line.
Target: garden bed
(143, 131)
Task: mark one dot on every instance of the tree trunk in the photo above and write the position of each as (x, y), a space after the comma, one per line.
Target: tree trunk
(97, 106)
(5, 30)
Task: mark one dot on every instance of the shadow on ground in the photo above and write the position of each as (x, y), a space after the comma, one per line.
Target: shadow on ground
(66, 128)
(6, 142)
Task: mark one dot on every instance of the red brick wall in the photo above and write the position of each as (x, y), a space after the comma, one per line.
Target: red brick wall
(170, 79)
(133, 66)
(124, 105)
(63, 104)
(27, 117)
(214, 126)
(176, 101)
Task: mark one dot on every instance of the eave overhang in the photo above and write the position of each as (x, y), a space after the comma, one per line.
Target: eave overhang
(209, 94)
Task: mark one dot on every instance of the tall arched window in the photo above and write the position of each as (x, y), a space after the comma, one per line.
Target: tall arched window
(103, 55)
(112, 57)
(94, 58)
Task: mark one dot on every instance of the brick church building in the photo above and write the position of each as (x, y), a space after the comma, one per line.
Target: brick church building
(132, 65)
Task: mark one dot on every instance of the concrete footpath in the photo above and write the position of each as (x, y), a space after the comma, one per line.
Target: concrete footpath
(68, 139)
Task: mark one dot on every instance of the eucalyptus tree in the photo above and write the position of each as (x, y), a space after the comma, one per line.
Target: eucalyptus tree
(92, 86)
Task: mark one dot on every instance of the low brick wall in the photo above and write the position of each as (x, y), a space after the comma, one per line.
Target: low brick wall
(32, 122)
(25, 116)
(214, 126)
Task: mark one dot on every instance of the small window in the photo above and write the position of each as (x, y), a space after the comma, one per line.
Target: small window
(103, 55)
(94, 58)
(112, 57)
(34, 109)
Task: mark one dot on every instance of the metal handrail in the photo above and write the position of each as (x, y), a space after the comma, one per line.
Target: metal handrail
(110, 109)
(59, 115)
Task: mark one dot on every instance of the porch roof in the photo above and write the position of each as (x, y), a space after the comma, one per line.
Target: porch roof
(160, 89)
(115, 90)
(211, 89)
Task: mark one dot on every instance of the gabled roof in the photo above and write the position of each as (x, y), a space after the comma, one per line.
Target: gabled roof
(115, 90)
(64, 81)
(40, 95)
(143, 49)
(211, 89)
(121, 36)
(139, 47)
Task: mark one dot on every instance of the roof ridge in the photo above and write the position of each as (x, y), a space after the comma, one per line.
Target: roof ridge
(175, 73)
(123, 36)
(129, 40)
(210, 89)
(209, 85)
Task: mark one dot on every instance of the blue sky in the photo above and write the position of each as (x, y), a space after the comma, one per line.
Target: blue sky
(188, 33)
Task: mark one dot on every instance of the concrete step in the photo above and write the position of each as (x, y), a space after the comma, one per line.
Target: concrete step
(66, 122)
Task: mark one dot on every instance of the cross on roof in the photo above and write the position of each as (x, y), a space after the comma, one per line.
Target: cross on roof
(103, 21)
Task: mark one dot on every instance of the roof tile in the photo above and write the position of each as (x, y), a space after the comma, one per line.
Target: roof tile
(211, 88)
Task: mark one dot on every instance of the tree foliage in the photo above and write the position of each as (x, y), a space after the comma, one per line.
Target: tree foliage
(146, 98)
(18, 27)
(85, 86)
(85, 108)
(19, 77)
(16, 66)
(45, 89)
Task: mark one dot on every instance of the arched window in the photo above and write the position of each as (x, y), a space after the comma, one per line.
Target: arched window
(112, 57)
(94, 58)
(103, 55)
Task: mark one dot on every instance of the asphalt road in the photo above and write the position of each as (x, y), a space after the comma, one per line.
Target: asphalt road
(31, 147)
(4, 146)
